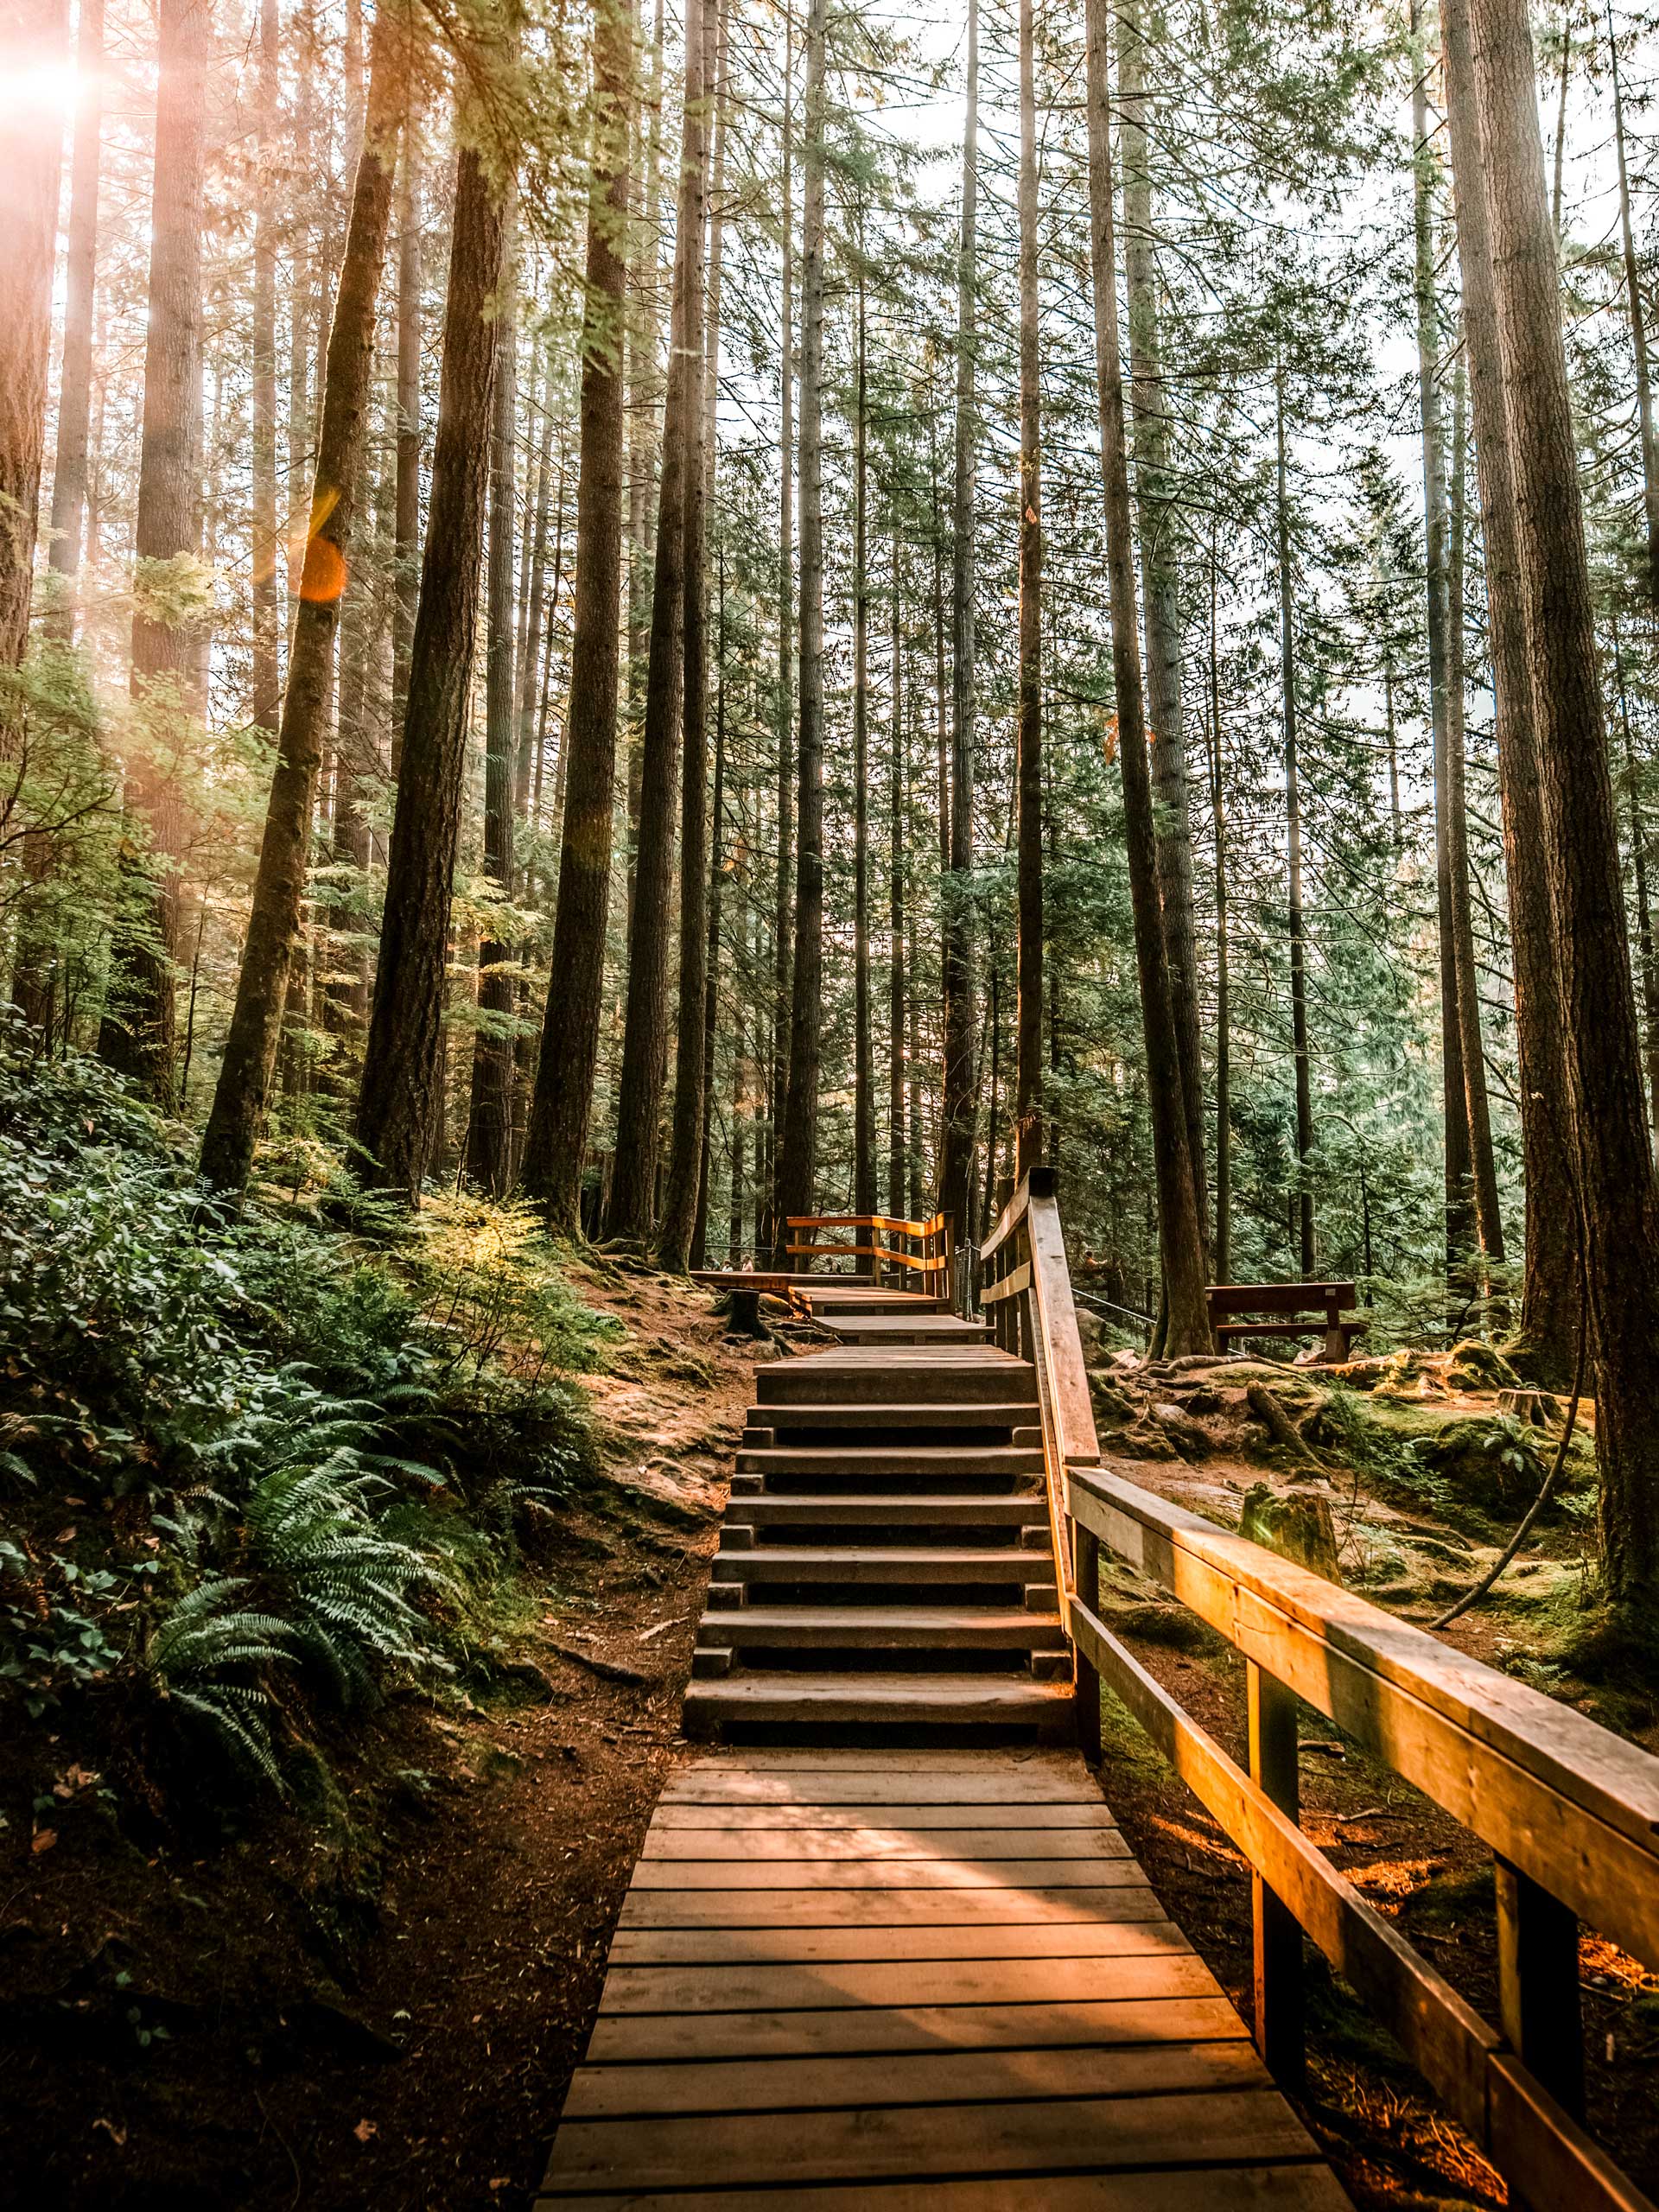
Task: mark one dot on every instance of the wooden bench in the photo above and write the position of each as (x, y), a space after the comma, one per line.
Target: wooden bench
(1305, 1308)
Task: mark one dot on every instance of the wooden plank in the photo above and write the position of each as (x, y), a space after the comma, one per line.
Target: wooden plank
(1095, 2133)
(1026, 1905)
(749, 1846)
(1160, 1971)
(1095, 1937)
(918, 2078)
(1541, 2148)
(1247, 2189)
(890, 1874)
(967, 1786)
(1057, 1319)
(1570, 1803)
(701, 1812)
(1015, 1284)
(1280, 1297)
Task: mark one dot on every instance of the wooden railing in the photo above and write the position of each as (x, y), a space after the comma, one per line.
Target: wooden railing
(1570, 1810)
(920, 1253)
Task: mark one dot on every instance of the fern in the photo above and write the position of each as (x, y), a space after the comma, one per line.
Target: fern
(207, 1654)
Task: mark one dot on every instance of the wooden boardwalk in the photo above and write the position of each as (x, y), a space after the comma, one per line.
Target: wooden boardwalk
(907, 1980)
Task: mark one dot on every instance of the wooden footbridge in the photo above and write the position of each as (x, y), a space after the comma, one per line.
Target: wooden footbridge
(887, 1948)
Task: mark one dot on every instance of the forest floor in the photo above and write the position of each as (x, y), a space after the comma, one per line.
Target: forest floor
(382, 2004)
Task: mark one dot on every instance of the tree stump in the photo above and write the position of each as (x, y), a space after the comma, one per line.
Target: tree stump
(1538, 1408)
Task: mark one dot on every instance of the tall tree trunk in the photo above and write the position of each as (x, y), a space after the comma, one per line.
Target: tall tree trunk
(1028, 750)
(35, 45)
(690, 1098)
(956, 949)
(799, 1165)
(1180, 1232)
(263, 982)
(1460, 1224)
(1649, 435)
(896, 992)
(399, 1107)
(1619, 1205)
(69, 473)
(407, 563)
(643, 398)
(557, 1142)
(138, 1033)
(1303, 1199)
(1158, 512)
(644, 1041)
(530, 653)
(697, 1256)
(1549, 1299)
(489, 1129)
(773, 1238)
(1224, 982)
(1639, 869)
(863, 1064)
(265, 701)
(1489, 1218)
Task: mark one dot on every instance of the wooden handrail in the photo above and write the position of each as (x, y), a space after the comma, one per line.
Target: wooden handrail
(933, 1240)
(1570, 1810)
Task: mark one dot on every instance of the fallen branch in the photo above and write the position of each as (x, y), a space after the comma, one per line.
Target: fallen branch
(608, 1671)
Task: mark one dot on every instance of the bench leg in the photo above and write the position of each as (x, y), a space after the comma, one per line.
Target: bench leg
(1336, 1343)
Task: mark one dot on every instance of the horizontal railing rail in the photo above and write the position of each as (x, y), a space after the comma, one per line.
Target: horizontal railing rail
(908, 1248)
(1570, 1810)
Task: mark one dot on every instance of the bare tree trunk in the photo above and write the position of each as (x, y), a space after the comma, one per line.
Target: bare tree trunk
(896, 992)
(797, 1167)
(263, 982)
(645, 1044)
(266, 698)
(1028, 771)
(530, 653)
(1223, 984)
(399, 1107)
(643, 398)
(956, 950)
(773, 1238)
(863, 1064)
(1483, 1167)
(557, 1141)
(691, 1094)
(1650, 436)
(137, 1035)
(1639, 868)
(1549, 1299)
(1178, 1203)
(408, 532)
(69, 473)
(1303, 1194)
(1157, 514)
(35, 42)
(1619, 1205)
(489, 1129)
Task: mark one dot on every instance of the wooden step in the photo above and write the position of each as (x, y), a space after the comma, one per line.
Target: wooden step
(980, 1460)
(905, 1414)
(1005, 1701)
(844, 1378)
(906, 1628)
(906, 1328)
(886, 1564)
(851, 1508)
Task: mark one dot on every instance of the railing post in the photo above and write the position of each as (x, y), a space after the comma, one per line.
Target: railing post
(1279, 2008)
(1085, 1558)
(1538, 1984)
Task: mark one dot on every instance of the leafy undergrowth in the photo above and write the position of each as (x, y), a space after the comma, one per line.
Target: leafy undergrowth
(320, 1560)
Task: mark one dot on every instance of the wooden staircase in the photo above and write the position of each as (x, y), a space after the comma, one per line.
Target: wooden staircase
(886, 1559)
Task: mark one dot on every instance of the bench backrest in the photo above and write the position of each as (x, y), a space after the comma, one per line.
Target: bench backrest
(1279, 1298)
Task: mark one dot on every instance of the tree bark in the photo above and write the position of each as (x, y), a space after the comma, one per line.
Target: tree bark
(407, 561)
(863, 1062)
(1620, 1209)
(1303, 1199)
(1223, 1251)
(265, 701)
(1644, 943)
(896, 992)
(797, 1165)
(399, 1108)
(263, 982)
(1028, 743)
(644, 1041)
(1548, 1301)
(69, 473)
(773, 1238)
(137, 1035)
(1488, 1219)
(957, 947)
(489, 1128)
(37, 41)
(1648, 435)
(557, 1141)
(690, 1096)
(1179, 1230)
(643, 398)
(1157, 514)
